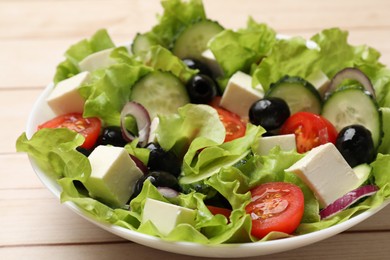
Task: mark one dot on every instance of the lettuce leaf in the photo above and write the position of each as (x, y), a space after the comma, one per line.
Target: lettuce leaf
(177, 16)
(245, 47)
(77, 52)
(201, 165)
(161, 58)
(195, 125)
(288, 57)
(108, 93)
(209, 229)
(54, 150)
(332, 53)
(106, 96)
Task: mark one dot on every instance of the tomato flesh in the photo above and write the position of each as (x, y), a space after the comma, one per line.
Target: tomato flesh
(310, 130)
(275, 206)
(88, 127)
(234, 126)
(217, 210)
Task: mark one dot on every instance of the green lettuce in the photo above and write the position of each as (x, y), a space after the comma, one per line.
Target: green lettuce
(55, 149)
(54, 152)
(245, 47)
(162, 59)
(195, 125)
(177, 16)
(201, 165)
(106, 96)
(77, 52)
(331, 54)
(209, 229)
(108, 93)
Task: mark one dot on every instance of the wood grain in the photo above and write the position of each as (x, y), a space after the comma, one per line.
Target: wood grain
(16, 105)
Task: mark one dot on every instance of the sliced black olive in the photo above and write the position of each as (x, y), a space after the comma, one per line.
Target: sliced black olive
(270, 113)
(218, 201)
(84, 151)
(356, 145)
(161, 160)
(198, 65)
(201, 89)
(112, 135)
(158, 179)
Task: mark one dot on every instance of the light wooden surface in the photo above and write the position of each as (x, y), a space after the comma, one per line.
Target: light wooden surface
(33, 36)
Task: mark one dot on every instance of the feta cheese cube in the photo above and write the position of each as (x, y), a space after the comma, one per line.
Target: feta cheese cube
(326, 173)
(166, 216)
(285, 142)
(65, 97)
(320, 81)
(239, 94)
(211, 62)
(97, 60)
(113, 175)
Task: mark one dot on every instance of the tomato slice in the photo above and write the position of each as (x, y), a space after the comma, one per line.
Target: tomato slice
(275, 206)
(217, 210)
(216, 101)
(310, 130)
(88, 127)
(234, 126)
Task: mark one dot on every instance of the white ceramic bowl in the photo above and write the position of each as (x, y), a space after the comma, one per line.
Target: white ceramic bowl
(41, 113)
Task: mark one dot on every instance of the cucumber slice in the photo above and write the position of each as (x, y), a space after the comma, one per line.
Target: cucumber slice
(349, 106)
(363, 172)
(385, 142)
(193, 40)
(141, 44)
(160, 93)
(298, 93)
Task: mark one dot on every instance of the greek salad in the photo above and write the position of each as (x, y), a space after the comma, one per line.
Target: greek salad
(195, 132)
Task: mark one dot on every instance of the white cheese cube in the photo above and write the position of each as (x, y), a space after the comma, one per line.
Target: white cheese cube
(65, 97)
(285, 142)
(113, 175)
(239, 94)
(326, 173)
(211, 62)
(319, 80)
(166, 216)
(97, 60)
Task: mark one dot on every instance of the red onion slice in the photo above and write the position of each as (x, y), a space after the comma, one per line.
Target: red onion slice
(142, 118)
(354, 74)
(168, 192)
(347, 200)
(140, 164)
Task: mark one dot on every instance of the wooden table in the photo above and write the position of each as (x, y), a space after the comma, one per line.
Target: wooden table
(33, 36)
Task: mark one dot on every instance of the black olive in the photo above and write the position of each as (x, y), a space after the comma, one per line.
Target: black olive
(270, 113)
(201, 89)
(198, 65)
(218, 201)
(158, 179)
(112, 135)
(84, 151)
(355, 143)
(161, 160)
